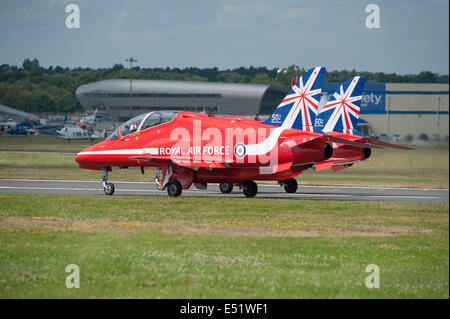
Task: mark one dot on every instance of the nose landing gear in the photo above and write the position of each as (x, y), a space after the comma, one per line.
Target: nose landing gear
(108, 188)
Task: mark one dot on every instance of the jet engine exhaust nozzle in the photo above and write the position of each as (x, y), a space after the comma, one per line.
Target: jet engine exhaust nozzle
(327, 151)
(366, 152)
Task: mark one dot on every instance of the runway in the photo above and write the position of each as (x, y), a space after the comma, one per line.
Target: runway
(94, 188)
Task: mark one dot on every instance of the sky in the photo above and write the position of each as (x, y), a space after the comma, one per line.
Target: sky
(413, 35)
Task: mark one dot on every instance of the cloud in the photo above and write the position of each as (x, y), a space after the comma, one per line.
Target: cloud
(293, 14)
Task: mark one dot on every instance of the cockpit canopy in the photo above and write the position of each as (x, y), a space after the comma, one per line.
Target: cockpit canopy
(144, 121)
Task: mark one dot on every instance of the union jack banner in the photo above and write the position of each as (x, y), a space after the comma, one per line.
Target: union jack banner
(300, 107)
(341, 112)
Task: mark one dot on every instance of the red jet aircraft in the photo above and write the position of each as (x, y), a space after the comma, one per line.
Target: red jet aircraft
(193, 148)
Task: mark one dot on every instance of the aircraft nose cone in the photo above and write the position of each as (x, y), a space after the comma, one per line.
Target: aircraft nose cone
(82, 156)
(88, 161)
(78, 158)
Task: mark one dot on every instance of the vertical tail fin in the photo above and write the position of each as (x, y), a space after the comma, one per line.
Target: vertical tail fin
(299, 108)
(341, 112)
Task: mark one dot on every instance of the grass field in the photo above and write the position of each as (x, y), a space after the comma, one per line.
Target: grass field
(159, 247)
(42, 142)
(426, 167)
(227, 248)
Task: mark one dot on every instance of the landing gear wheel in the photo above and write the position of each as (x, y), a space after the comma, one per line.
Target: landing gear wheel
(250, 189)
(226, 188)
(108, 188)
(174, 188)
(290, 185)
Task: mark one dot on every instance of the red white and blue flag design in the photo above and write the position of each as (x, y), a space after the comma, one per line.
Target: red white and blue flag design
(341, 112)
(299, 108)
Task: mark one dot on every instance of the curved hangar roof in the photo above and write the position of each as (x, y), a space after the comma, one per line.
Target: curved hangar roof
(113, 97)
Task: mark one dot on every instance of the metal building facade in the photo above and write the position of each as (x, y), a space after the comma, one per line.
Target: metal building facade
(119, 100)
(404, 108)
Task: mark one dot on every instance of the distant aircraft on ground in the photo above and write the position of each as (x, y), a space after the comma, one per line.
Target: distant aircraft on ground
(75, 133)
(33, 126)
(49, 129)
(89, 120)
(26, 127)
(192, 148)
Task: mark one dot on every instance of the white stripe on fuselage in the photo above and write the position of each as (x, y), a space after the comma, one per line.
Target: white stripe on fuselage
(135, 151)
(268, 144)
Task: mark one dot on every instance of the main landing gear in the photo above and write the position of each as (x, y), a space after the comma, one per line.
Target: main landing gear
(226, 188)
(249, 188)
(290, 185)
(108, 188)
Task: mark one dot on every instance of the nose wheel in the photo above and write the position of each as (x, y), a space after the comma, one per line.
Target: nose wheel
(108, 188)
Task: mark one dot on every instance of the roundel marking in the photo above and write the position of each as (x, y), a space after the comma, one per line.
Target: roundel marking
(240, 150)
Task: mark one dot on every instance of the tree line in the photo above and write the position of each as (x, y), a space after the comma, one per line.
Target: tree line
(36, 89)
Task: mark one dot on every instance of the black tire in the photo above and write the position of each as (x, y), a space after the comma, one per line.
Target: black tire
(109, 189)
(250, 189)
(174, 188)
(290, 185)
(226, 188)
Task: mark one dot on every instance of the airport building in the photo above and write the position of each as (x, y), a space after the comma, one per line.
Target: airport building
(403, 109)
(393, 109)
(119, 100)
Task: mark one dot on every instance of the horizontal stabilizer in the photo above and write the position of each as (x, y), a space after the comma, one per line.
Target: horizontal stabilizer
(351, 143)
(378, 143)
(362, 141)
(367, 142)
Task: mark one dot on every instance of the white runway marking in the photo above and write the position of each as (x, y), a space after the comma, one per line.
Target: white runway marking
(262, 184)
(266, 191)
(209, 192)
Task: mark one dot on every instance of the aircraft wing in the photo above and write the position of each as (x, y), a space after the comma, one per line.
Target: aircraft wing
(187, 162)
(351, 142)
(346, 140)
